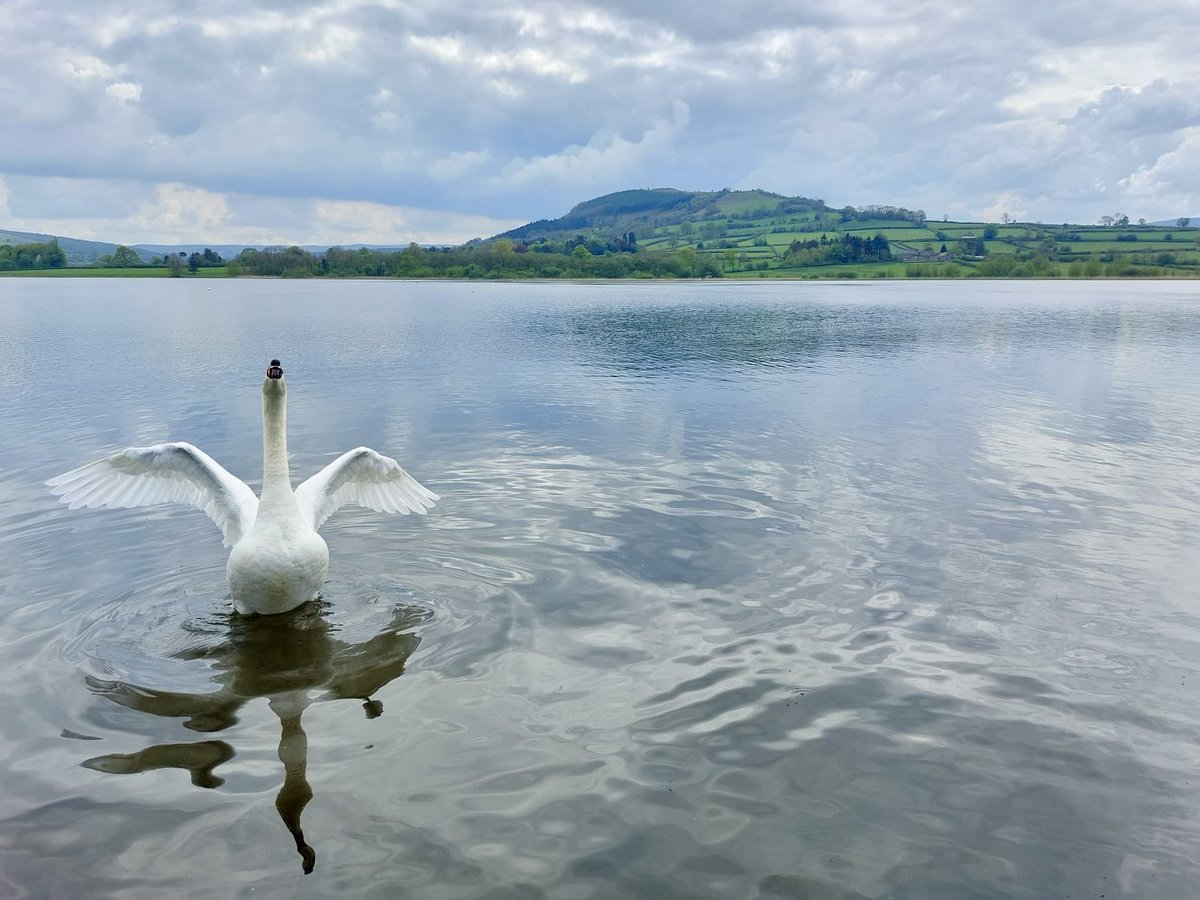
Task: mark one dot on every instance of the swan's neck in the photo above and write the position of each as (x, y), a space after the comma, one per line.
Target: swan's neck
(276, 474)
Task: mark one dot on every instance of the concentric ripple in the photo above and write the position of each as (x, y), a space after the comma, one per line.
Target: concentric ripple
(778, 591)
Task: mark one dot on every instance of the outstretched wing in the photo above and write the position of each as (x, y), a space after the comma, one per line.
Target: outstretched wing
(162, 473)
(364, 477)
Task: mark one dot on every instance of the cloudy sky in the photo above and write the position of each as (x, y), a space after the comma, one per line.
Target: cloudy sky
(388, 121)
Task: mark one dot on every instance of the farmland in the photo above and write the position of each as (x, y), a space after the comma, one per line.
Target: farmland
(756, 234)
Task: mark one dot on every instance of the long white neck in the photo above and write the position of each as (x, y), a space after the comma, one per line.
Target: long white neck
(276, 474)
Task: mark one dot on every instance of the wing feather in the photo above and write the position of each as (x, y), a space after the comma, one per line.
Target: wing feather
(162, 473)
(366, 478)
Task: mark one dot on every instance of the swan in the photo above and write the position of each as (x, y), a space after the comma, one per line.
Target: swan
(277, 561)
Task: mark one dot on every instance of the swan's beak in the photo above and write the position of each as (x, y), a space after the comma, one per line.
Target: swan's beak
(274, 370)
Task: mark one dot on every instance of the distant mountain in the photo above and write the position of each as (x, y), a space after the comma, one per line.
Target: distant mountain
(228, 251)
(83, 253)
(643, 210)
(79, 253)
(1194, 223)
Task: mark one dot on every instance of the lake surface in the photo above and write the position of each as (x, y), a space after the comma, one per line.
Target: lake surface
(734, 590)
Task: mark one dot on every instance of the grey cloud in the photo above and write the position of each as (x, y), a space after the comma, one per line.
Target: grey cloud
(443, 107)
(55, 198)
(1157, 108)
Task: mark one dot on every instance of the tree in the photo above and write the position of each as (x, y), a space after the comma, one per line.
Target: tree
(52, 257)
(1183, 221)
(122, 258)
(1121, 220)
(1006, 218)
(1106, 221)
(174, 265)
(990, 232)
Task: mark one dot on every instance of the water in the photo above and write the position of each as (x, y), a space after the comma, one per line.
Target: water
(735, 590)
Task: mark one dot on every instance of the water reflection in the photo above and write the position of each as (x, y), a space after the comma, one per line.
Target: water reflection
(647, 340)
(778, 591)
(291, 660)
(809, 331)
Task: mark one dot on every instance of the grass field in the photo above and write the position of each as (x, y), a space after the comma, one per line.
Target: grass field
(749, 238)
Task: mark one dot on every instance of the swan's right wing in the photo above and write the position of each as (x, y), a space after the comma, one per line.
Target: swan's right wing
(162, 473)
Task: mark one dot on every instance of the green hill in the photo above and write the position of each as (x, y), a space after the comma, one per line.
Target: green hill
(761, 234)
(658, 210)
(79, 252)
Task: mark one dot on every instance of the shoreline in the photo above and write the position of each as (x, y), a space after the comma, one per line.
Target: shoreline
(137, 275)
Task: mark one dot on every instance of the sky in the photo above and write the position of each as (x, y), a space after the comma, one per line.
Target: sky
(386, 121)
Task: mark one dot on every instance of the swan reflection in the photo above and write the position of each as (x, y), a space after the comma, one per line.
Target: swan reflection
(293, 660)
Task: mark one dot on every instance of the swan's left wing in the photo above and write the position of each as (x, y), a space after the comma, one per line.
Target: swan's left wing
(364, 477)
(162, 473)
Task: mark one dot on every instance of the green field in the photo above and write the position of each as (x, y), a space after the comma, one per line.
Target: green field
(752, 234)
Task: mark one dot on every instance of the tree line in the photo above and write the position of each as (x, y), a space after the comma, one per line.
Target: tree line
(47, 255)
(127, 258)
(496, 259)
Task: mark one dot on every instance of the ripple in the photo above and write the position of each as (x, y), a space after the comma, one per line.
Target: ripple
(734, 590)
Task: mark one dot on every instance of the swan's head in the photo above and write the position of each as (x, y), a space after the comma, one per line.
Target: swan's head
(274, 384)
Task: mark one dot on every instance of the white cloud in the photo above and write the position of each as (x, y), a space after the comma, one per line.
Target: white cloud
(1170, 181)
(1007, 203)
(181, 210)
(457, 165)
(125, 91)
(178, 213)
(519, 112)
(444, 48)
(360, 222)
(332, 44)
(604, 159)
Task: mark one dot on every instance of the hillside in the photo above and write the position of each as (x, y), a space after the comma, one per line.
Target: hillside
(760, 234)
(653, 210)
(87, 253)
(79, 253)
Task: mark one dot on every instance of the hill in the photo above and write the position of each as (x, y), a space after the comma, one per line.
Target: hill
(88, 253)
(79, 252)
(652, 210)
(761, 234)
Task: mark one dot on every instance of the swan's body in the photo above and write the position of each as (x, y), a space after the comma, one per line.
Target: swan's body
(277, 561)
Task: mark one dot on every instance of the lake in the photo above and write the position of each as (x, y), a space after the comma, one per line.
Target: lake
(779, 590)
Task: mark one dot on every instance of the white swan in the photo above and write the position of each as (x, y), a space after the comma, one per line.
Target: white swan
(278, 560)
